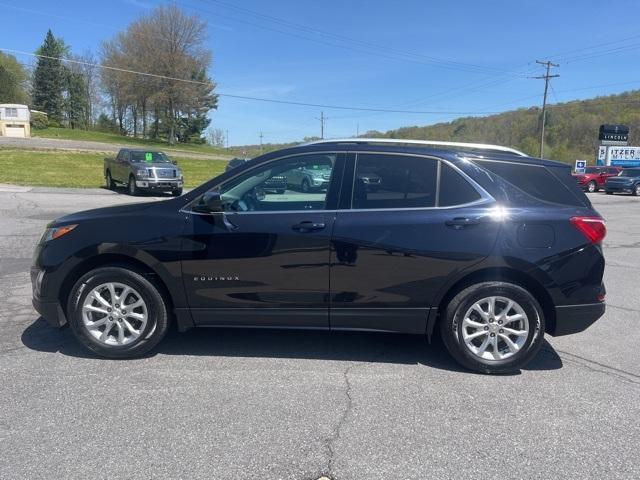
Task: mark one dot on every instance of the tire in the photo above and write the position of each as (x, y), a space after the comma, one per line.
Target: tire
(132, 188)
(608, 192)
(149, 335)
(111, 185)
(592, 187)
(177, 192)
(305, 186)
(636, 190)
(528, 343)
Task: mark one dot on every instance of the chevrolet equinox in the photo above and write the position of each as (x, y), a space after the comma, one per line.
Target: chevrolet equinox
(488, 247)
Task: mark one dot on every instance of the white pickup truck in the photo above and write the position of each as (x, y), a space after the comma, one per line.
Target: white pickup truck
(141, 170)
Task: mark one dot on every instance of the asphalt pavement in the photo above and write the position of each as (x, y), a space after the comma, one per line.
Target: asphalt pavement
(234, 404)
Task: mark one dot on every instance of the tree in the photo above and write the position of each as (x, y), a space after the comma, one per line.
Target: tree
(49, 78)
(13, 80)
(215, 137)
(178, 94)
(77, 103)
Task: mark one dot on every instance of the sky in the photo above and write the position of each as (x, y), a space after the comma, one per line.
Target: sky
(438, 59)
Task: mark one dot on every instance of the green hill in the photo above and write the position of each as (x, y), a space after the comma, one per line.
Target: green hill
(571, 128)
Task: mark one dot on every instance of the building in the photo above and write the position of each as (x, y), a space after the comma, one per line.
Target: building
(14, 120)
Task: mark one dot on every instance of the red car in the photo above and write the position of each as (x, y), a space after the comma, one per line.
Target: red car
(594, 177)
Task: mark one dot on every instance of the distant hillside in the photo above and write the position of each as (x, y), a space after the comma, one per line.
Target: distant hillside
(571, 128)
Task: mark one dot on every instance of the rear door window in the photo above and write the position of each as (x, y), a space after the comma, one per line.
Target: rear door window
(454, 188)
(539, 181)
(394, 181)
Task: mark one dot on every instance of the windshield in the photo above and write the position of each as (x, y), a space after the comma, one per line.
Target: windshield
(630, 172)
(138, 156)
(592, 170)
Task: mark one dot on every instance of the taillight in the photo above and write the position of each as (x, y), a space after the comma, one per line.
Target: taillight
(593, 228)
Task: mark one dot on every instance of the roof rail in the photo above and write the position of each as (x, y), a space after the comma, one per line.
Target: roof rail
(432, 143)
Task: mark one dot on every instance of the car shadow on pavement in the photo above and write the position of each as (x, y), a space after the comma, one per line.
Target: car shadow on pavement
(292, 344)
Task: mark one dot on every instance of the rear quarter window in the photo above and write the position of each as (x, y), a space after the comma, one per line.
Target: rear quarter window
(548, 184)
(454, 188)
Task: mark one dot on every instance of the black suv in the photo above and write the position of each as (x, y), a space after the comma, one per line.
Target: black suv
(489, 247)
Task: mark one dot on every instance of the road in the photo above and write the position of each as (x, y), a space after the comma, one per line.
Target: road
(37, 143)
(229, 404)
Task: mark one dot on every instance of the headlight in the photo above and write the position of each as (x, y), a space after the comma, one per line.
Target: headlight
(144, 174)
(51, 233)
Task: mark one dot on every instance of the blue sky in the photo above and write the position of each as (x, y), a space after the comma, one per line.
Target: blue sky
(436, 56)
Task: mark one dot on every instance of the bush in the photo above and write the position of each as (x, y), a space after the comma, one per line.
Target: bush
(54, 124)
(39, 121)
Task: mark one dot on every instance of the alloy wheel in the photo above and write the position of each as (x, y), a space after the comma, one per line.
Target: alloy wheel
(114, 314)
(495, 328)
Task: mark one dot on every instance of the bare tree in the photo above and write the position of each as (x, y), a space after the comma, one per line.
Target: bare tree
(167, 43)
(215, 137)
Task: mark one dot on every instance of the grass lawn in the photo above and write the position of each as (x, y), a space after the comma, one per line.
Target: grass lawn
(74, 169)
(93, 136)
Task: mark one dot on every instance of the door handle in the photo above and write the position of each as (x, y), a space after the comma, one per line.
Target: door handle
(461, 222)
(307, 226)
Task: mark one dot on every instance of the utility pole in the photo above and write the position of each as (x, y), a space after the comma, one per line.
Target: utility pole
(322, 120)
(261, 141)
(546, 79)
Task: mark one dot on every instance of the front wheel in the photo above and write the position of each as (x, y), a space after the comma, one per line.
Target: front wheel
(111, 185)
(636, 190)
(592, 187)
(132, 187)
(305, 186)
(177, 192)
(493, 327)
(117, 313)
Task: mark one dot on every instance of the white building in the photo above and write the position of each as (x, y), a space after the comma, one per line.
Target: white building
(14, 120)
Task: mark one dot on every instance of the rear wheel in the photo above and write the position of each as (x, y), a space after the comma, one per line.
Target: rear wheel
(592, 187)
(117, 313)
(493, 327)
(132, 187)
(636, 190)
(111, 185)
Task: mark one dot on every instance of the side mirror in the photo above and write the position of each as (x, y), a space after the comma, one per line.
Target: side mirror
(210, 202)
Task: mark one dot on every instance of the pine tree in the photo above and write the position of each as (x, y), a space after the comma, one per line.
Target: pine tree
(49, 78)
(77, 102)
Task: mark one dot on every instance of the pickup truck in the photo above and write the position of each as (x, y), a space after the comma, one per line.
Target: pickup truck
(142, 170)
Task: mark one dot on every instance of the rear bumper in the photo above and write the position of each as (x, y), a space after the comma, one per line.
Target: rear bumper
(576, 318)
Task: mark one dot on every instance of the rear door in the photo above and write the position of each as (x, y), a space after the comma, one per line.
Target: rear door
(396, 243)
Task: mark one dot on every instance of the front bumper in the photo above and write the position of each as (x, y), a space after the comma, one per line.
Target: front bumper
(576, 318)
(619, 188)
(48, 308)
(153, 184)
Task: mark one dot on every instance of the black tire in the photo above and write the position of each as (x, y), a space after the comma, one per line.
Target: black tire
(608, 192)
(157, 323)
(305, 186)
(132, 188)
(636, 190)
(462, 302)
(592, 187)
(177, 192)
(111, 185)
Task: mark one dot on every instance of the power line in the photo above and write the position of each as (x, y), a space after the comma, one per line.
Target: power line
(547, 76)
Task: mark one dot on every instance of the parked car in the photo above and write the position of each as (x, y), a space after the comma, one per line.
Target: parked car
(313, 175)
(235, 162)
(143, 170)
(627, 181)
(490, 248)
(594, 178)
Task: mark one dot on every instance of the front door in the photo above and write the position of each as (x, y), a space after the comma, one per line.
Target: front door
(265, 260)
(411, 223)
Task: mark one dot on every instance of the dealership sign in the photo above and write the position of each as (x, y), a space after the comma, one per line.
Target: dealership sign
(621, 156)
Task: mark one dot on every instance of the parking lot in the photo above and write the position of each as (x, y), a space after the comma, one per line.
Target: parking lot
(233, 404)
